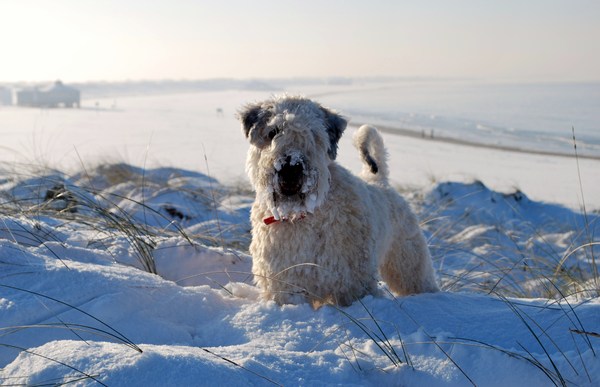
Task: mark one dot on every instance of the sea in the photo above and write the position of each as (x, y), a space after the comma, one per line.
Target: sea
(550, 117)
(545, 117)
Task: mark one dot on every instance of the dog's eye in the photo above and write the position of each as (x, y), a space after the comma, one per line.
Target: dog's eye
(273, 133)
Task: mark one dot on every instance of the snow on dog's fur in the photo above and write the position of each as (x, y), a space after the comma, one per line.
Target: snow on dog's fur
(320, 233)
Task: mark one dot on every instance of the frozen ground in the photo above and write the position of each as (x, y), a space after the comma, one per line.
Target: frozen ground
(520, 304)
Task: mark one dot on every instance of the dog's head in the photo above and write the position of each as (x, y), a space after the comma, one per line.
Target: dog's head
(292, 142)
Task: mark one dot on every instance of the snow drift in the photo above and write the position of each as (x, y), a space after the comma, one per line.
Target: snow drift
(123, 276)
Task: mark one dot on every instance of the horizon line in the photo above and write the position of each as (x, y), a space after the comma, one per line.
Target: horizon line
(333, 79)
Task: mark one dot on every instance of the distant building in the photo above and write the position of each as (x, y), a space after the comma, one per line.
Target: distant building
(5, 96)
(55, 95)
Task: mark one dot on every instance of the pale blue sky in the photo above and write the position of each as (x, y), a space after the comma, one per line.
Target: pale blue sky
(78, 40)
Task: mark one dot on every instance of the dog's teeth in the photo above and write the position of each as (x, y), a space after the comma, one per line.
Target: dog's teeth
(277, 165)
(276, 214)
(311, 203)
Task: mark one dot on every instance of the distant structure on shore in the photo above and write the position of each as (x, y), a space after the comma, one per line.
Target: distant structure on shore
(55, 95)
(5, 96)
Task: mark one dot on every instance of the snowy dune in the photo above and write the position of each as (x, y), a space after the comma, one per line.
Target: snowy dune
(520, 304)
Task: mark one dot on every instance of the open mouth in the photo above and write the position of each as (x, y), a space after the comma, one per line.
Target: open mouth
(290, 175)
(290, 179)
(294, 189)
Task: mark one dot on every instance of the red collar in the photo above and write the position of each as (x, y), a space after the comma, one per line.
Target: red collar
(271, 219)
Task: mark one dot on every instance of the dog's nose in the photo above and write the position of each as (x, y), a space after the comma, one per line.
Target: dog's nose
(290, 177)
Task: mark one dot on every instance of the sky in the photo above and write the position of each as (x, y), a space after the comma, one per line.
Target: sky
(117, 40)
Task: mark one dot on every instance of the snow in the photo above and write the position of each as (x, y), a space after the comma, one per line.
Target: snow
(78, 305)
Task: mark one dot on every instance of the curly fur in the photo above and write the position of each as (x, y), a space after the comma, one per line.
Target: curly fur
(338, 232)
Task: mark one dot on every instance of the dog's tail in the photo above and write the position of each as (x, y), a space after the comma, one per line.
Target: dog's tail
(369, 143)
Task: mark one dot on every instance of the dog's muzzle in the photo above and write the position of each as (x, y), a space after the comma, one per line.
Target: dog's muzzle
(290, 177)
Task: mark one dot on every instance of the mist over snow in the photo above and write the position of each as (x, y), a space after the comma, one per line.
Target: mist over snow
(124, 229)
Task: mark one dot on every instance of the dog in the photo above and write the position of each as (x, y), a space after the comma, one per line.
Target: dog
(319, 233)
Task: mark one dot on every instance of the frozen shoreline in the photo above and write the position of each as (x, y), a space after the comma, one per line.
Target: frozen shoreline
(450, 140)
(185, 131)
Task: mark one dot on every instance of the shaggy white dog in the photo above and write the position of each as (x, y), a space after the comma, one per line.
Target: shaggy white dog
(319, 233)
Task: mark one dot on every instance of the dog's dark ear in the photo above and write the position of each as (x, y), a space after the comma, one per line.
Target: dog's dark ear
(335, 125)
(249, 115)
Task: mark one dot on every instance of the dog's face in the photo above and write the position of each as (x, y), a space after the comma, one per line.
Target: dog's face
(292, 142)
